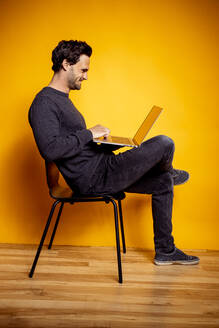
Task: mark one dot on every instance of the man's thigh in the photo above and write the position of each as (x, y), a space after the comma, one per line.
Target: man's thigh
(126, 168)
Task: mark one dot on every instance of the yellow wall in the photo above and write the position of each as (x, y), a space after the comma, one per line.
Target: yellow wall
(144, 53)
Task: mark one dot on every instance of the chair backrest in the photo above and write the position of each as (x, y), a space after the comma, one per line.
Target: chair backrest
(56, 191)
(52, 174)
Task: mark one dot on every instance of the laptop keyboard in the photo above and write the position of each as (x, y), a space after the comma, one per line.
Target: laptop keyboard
(121, 140)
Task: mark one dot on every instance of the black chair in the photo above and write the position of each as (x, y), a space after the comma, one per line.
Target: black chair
(64, 195)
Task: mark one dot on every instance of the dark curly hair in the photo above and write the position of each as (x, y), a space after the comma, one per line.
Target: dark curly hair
(69, 50)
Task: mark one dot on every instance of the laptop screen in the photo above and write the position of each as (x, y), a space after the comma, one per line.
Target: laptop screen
(147, 124)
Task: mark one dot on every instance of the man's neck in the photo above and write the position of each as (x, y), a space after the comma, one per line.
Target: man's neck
(58, 83)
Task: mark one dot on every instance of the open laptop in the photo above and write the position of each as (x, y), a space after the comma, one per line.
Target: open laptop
(140, 134)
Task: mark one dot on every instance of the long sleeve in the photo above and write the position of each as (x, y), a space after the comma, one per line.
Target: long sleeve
(45, 120)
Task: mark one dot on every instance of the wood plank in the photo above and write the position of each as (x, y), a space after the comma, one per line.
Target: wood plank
(77, 287)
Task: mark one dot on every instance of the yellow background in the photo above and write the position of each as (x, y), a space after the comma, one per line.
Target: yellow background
(144, 53)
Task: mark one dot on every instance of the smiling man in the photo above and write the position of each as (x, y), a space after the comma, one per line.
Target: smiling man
(88, 168)
(75, 74)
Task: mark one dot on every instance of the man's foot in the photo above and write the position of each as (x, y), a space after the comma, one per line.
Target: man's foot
(175, 257)
(179, 176)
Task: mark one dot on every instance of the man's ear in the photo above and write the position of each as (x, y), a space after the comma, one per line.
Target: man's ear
(65, 65)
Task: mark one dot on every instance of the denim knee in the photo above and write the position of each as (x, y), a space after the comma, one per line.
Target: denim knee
(166, 141)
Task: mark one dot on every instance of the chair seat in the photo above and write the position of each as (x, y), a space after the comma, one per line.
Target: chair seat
(64, 193)
(59, 192)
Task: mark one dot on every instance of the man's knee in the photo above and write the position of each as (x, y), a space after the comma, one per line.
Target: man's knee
(166, 142)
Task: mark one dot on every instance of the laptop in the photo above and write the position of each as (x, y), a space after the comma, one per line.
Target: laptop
(140, 134)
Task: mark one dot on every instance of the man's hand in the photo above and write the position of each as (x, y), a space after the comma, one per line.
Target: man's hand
(99, 131)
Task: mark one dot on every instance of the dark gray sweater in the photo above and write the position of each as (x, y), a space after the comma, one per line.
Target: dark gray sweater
(62, 137)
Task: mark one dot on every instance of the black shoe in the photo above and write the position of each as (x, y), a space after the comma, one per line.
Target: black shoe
(175, 257)
(179, 176)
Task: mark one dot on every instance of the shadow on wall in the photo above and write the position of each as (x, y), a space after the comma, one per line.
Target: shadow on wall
(28, 196)
(138, 221)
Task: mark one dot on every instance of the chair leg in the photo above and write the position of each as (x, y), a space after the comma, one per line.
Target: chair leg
(43, 238)
(117, 241)
(121, 226)
(56, 225)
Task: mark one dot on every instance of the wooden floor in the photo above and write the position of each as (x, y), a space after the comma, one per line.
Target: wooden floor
(77, 287)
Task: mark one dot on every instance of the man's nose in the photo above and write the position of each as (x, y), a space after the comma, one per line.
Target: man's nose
(85, 76)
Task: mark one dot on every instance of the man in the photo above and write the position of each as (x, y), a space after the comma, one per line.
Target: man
(88, 168)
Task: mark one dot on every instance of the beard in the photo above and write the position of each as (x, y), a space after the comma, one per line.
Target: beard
(74, 83)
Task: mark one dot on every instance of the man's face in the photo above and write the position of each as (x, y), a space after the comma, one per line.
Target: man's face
(78, 72)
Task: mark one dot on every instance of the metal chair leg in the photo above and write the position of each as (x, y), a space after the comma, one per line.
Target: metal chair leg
(121, 226)
(56, 225)
(43, 238)
(117, 240)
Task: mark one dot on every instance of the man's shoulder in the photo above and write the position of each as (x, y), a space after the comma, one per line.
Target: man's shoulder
(44, 101)
(42, 104)
(43, 96)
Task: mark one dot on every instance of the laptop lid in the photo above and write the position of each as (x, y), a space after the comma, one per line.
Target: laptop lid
(147, 124)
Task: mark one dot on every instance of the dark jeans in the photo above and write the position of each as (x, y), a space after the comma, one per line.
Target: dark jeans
(145, 170)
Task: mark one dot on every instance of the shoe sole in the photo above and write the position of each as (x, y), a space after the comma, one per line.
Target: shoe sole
(176, 262)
